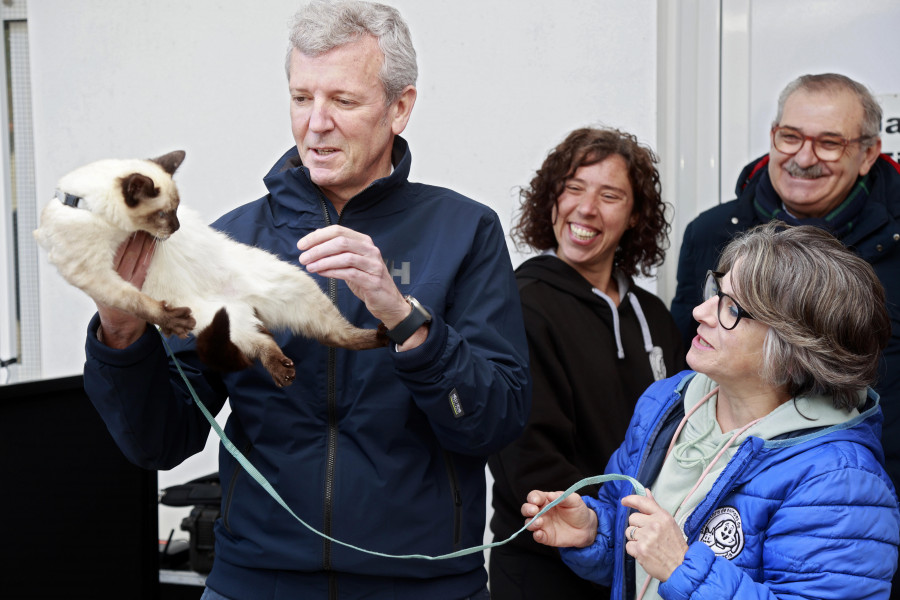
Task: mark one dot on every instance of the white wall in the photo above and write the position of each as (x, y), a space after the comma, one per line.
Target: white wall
(788, 39)
(500, 84)
(722, 65)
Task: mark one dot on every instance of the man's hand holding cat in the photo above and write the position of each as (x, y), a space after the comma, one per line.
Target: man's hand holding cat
(120, 329)
(350, 256)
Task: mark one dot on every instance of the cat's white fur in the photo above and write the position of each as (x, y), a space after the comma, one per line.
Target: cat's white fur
(195, 271)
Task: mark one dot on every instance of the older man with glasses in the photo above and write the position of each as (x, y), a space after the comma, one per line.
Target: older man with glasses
(824, 168)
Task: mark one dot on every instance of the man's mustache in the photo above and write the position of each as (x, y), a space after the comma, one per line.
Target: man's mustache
(811, 172)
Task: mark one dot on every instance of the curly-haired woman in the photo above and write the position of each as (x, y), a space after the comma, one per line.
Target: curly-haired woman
(596, 339)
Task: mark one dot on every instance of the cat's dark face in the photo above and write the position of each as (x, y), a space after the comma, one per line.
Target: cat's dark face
(150, 208)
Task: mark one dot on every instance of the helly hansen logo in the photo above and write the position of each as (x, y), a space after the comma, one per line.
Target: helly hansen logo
(402, 272)
(455, 404)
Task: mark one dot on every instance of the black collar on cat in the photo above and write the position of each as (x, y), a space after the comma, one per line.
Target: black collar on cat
(69, 199)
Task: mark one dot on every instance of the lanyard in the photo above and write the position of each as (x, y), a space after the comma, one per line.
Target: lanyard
(262, 481)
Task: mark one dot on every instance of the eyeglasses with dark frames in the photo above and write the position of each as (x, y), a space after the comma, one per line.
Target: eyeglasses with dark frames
(729, 312)
(827, 148)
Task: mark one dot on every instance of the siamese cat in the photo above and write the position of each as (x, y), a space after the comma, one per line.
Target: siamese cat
(199, 280)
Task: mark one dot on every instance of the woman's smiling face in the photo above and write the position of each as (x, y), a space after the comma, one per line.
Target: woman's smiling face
(592, 213)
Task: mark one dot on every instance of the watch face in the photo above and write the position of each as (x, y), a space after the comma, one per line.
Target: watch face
(418, 307)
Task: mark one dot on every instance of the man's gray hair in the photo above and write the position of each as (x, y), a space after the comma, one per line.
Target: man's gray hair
(830, 83)
(825, 308)
(322, 25)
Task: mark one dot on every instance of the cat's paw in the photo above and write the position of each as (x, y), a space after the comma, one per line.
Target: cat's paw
(176, 320)
(282, 370)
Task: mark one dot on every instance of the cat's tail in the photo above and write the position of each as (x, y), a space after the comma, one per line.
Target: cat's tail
(215, 348)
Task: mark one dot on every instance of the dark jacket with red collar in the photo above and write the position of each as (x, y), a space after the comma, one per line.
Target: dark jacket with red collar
(875, 237)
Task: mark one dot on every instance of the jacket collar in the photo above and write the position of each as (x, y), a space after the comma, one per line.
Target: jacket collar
(292, 192)
(880, 215)
(750, 174)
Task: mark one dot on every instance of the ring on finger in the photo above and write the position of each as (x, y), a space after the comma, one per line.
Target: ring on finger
(631, 533)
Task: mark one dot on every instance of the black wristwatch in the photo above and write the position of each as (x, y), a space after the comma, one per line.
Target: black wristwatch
(408, 326)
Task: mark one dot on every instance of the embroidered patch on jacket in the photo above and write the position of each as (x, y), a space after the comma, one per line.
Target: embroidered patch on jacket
(723, 533)
(455, 404)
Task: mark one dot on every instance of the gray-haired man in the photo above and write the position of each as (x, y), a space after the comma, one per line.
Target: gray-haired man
(383, 449)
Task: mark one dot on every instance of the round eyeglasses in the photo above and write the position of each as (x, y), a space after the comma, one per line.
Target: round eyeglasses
(827, 148)
(729, 311)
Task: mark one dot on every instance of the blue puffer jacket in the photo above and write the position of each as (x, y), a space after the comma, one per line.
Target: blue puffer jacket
(379, 449)
(815, 514)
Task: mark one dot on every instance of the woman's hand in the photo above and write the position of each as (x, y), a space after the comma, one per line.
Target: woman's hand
(654, 538)
(568, 524)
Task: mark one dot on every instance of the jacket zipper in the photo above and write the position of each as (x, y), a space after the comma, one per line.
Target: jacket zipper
(331, 457)
(332, 446)
(457, 500)
(628, 590)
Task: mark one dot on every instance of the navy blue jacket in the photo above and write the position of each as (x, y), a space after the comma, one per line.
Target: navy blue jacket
(814, 513)
(379, 449)
(875, 238)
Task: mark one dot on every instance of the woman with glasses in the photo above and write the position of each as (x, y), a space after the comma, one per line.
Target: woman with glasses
(596, 340)
(763, 465)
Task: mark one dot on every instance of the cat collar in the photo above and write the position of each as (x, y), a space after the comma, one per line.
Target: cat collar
(69, 199)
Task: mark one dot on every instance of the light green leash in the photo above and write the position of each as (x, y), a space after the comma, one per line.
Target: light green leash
(255, 474)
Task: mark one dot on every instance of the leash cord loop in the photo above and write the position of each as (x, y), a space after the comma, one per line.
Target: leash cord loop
(262, 481)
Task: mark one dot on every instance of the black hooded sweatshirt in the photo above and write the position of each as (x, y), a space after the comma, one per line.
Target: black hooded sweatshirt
(588, 372)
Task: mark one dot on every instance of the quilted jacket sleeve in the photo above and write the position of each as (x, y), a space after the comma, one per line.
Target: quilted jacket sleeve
(596, 562)
(828, 530)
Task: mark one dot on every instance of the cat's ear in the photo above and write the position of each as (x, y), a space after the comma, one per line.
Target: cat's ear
(171, 161)
(137, 187)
